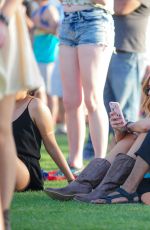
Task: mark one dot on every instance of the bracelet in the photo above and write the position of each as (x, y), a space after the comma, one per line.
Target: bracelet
(128, 130)
(4, 19)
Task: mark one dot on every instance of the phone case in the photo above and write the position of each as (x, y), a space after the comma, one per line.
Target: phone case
(115, 106)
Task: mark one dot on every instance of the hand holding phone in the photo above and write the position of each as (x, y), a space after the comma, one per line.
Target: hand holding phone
(115, 107)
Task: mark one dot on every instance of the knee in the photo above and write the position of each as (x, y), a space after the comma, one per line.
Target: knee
(72, 103)
(92, 103)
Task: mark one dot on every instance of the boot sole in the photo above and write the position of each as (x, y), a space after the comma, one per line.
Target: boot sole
(58, 196)
(82, 201)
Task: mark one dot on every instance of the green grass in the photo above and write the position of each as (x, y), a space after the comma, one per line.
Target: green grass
(36, 211)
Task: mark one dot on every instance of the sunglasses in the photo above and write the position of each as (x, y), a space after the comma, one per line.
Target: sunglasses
(147, 91)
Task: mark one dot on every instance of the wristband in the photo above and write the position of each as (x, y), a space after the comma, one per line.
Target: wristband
(128, 130)
(4, 19)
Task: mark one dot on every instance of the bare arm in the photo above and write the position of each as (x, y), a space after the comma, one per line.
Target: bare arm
(141, 126)
(124, 7)
(42, 117)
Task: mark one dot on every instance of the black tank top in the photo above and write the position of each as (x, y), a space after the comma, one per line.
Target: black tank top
(27, 136)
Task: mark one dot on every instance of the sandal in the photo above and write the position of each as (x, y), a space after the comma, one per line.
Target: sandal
(121, 193)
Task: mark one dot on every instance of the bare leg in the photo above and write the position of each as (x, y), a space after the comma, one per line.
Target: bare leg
(138, 171)
(61, 113)
(122, 146)
(23, 176)
(93, 62)
(72, 97)
(7, 152)
(132, 182)
(61, 119)
(136, 145)
(53, 105)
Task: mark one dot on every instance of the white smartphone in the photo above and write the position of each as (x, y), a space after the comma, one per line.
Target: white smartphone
(115, 107)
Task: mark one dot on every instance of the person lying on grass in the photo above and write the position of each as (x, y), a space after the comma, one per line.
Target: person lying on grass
(103, 176)
(32, 124)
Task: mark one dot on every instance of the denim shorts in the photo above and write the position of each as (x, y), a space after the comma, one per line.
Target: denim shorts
(90, 26)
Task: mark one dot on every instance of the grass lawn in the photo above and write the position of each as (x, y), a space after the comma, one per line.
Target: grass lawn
(36, 211)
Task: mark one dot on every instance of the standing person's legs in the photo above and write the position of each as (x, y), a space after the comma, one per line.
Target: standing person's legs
(56, 93)
(94, 61)
(46, 70)
(123, 84)
(7, 152)
(72, 97)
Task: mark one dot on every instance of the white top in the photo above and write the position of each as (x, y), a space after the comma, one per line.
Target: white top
(18, 67)
(109, 5)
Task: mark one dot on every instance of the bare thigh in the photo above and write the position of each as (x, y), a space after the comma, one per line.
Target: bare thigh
(93, 64)
(123, 146)
(23, 176)
(72, 85)
(136, 145)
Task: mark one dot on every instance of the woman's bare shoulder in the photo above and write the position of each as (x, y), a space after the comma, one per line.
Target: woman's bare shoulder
(37, 107)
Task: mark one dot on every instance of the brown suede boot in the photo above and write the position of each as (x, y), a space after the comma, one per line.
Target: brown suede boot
(116, 176)
(89, 178)
(6, 220)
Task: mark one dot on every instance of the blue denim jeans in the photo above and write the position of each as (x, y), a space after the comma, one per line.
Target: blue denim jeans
(90, 26)
(123, 82)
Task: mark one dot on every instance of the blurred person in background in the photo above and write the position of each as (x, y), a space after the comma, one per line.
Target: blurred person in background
(45, 41)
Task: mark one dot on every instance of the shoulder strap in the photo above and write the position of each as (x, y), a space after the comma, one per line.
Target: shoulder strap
(42, 10)
(30, 101)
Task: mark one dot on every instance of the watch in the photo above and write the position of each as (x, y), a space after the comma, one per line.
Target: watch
(4, 19)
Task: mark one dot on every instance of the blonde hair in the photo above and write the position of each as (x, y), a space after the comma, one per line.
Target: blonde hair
(146, 98)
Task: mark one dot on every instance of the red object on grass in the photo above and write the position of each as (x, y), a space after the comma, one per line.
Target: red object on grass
(53, 175)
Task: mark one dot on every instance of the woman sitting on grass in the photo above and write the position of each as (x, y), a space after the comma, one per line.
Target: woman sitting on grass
(103, 176)
(32, 124)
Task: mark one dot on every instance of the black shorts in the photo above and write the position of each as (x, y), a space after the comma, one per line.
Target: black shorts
(36, 181)
(144, 150)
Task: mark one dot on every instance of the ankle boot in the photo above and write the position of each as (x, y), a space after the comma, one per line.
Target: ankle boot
(116, 176)
(89, 178)
(6, 220)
